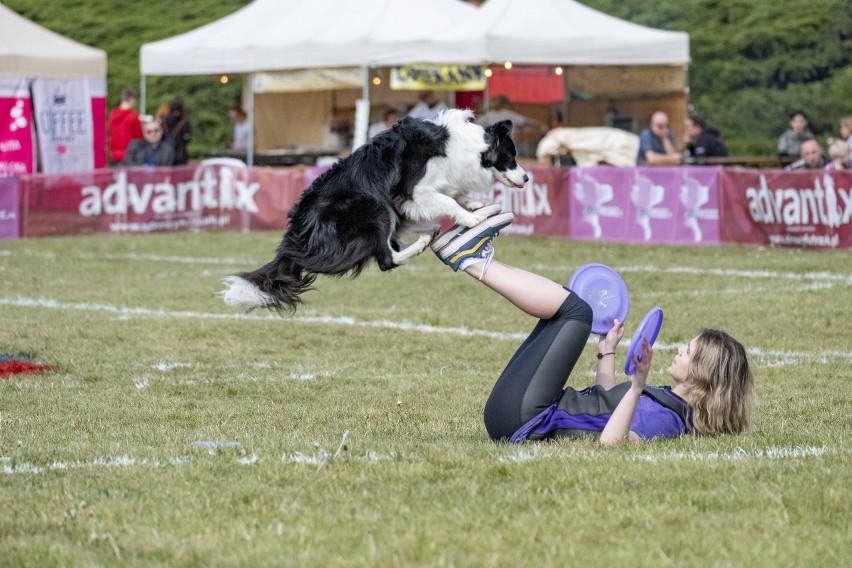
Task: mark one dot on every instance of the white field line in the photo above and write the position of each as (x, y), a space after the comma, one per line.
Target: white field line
(773, 357)
(533, 452)
(524, 453)
(822, 276)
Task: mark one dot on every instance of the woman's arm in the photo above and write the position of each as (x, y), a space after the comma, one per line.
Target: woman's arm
(607, 345)
(617, 428)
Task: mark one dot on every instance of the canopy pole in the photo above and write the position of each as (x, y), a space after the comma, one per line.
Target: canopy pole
(142, 94)
(362, 111)
(250, 112)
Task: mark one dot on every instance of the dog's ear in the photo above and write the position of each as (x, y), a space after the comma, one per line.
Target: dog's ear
(503, 128)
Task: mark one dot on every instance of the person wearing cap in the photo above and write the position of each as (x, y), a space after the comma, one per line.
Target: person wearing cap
(713, 383)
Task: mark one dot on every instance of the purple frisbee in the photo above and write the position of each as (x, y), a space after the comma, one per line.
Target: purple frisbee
(605, 291)
(648, 329)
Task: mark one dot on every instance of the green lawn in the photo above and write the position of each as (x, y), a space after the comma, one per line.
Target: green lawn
(358, 420)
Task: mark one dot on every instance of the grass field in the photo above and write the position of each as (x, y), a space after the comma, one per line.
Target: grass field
(358, 420)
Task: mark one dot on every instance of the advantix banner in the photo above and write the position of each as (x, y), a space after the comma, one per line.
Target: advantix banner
(685, 205)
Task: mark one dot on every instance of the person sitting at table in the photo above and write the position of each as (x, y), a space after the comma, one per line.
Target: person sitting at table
(657, 143)
(702, 141)
(389, 118)
(150, 150)
(811, 157)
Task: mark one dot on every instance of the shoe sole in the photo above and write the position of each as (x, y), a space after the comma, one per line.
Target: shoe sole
(487, 229)
(454, 231)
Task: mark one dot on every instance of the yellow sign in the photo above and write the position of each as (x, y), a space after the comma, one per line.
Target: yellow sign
(438, 78)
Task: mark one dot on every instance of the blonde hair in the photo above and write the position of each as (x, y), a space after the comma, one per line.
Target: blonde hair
(839, 149)
(847, 122)
(721, 385)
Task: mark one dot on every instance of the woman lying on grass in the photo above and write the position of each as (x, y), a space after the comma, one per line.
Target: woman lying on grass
(713, 390)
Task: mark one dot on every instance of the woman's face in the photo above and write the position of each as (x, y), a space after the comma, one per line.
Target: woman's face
(679, 369)
(845, 131)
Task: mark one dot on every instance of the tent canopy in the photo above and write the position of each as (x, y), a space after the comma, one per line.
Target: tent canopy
(270, 35)
(29, 50)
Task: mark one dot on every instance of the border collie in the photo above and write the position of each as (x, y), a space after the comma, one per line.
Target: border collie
(356, 211)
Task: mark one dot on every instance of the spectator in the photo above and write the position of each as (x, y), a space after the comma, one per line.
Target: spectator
(838, 154)
(389, 118)
(811, 157)
(845, 133)
(790, 142)
(702, 141)
(177, 131)
(124, 125)
(429, 107)
(239, 119)
(500, 109)
(151, 150)
(657, 143)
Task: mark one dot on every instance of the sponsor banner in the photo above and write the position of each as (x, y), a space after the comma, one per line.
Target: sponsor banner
(437, 78)
(97, 89)
(9, 222)
(645, 205)
(787, 208)
(16, 133)
(63, 109)
(215, 194)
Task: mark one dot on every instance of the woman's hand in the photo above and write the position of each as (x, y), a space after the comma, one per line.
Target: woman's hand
(609, 342)
(642, 366)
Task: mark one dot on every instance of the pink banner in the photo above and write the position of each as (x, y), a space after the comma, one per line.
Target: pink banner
(215, 194)
(9, 224)
(16, 138)
(645, 205)
(787, 208)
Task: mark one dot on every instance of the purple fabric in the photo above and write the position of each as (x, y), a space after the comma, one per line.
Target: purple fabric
(650, 420)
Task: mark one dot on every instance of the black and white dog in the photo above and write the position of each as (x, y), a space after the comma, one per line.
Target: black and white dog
(358, 210)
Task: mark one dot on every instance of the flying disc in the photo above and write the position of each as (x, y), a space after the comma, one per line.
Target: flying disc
(648, 329)
(605, 291)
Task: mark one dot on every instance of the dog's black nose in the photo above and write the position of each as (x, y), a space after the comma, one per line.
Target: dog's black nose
(526, 178)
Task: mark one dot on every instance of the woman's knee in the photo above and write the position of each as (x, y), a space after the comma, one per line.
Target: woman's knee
(575, 308)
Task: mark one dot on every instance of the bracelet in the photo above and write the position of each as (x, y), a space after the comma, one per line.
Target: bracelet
(602, 355)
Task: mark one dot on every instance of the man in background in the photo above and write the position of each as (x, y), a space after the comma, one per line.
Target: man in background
(810, 156)
(124, 125)
(657, 143)
(151, 150)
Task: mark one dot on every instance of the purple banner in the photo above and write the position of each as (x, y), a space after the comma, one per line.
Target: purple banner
(645, 205)
(9, 222)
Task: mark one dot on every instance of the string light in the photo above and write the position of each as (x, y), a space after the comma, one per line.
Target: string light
(508, 65)
(223, 79)
(377, 80)
(558, 71)
(488, 72)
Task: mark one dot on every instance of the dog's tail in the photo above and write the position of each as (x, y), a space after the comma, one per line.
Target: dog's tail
(277, 285)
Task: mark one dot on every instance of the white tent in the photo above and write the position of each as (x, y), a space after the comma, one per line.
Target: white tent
(279, 35)
(29, 50)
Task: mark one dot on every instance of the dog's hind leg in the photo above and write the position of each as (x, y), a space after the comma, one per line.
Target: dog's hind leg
(412, 250)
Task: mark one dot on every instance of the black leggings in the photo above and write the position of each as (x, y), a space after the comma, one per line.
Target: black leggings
(537, 372)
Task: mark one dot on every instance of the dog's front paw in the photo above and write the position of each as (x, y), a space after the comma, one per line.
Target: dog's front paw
(472, 219)
(474, 205)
